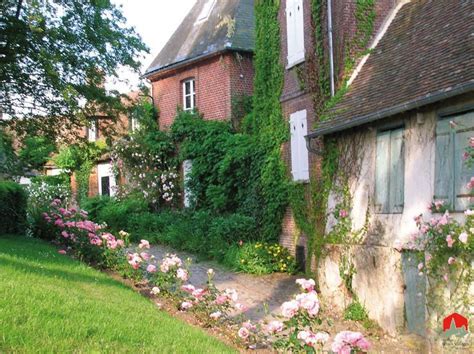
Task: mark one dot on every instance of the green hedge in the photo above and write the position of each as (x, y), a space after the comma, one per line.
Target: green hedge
(12, 208)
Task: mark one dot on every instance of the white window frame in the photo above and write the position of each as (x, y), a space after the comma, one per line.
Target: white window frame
(92, 131)
(105, 170)
(191, 94)
(299, 151)
(295, 32)
(135, 124)
(206, 11)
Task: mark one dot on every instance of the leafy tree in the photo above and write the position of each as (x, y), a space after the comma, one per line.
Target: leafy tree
(9, 163)
(36, 151)
(54, 56)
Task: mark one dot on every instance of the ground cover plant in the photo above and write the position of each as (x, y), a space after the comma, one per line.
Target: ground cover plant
(51, 302)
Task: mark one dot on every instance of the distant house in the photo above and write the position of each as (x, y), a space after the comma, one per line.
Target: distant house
(206, 63)
(409, 114)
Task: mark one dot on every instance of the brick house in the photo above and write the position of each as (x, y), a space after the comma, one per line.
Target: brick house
(297, 46)
(206, 63)
(409, 113)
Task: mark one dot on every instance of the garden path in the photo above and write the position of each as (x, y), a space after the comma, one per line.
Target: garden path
(255, 292)
(260, 292)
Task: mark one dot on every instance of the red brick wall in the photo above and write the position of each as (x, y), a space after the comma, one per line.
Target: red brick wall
(216, 80)
(294, 99)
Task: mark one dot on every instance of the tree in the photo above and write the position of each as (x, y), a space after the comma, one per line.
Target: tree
(54, 56)
(36, 151)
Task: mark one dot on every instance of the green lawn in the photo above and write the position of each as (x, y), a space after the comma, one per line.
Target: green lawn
(51, 303)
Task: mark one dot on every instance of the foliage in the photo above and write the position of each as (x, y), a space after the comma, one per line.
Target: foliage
(241, 106)
(36, 151)
(10, 165)
(40, 195)
(147, 159)
(55, 56)
(72, 307)
(355, 312)
(12, 208)
(80, 158)
(260, 258)
(117, 213)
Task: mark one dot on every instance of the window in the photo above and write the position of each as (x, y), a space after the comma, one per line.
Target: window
(92, 131)
(206, 11)
(189, 95)
(451, 173)
(299, 152)
(295, 31)
(134, 124)
(187, 168)
(106, 179)
(390, 171)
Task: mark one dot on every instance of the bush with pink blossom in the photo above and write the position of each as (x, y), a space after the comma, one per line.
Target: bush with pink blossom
(87, 240)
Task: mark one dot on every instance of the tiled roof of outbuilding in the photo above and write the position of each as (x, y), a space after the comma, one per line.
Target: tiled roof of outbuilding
(427, 54)
(230, 26)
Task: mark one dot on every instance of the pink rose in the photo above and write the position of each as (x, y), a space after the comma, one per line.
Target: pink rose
(343, 213)
(144, 244)
(289, 308)
(145, 256)
(186, 305)
(274, 327)
(420, 266)
(450, 241)
(243, 333)
(188, 288)
(62, 251)
(463, 237)
(309, 302)
(151, 268)
(240, 307)
(182, 274)
(306, 284)
(451, 260)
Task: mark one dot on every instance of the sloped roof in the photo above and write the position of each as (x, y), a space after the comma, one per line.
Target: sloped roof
(230, 26)
(427, 54)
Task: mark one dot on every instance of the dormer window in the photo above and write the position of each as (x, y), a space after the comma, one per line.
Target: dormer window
(189, 95)
(92, 131)
(206, 11)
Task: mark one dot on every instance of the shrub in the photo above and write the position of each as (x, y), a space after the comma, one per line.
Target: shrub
(355, 312)
(94, 205)
(40, 195)
(260, 258)
(116, 213)
(12, 208)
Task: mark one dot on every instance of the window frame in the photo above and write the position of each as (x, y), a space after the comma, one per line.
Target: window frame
(443, 115)
(191, 95)
(391, 209)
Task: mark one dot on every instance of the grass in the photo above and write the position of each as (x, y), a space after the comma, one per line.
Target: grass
(52, 303)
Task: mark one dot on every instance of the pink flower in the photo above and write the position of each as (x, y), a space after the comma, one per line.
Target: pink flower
(450, 241)
(420, 266)
(186, 305)
(445, 278)
(249, 325)
(469, 212)
(309, 302)
(151, 268)
(65, 234)
(215, 315)
(311, 339)
(451, 260)
(463, 237)
(243, 333)
(198, 293)
(240, 307)
(428, 257)
(182, 274)
(145, 256)
(274, 327)
(343, 213)
(120, 243)
(289, 308)
(444, 219)
(221, 299)
(95, 241)
(306, 284)
(188, 288)
(144, 244)
(59, 223)
(345, 341)
(134, 260)
(62, 251)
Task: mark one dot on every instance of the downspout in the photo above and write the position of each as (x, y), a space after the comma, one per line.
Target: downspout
(331, 56)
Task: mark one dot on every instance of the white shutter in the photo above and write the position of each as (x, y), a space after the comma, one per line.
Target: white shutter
(290, 30)
(299, 152)
(299, 31)
(187, 167)
(303, 151)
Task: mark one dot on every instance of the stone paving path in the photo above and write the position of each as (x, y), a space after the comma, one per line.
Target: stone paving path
(255, 292)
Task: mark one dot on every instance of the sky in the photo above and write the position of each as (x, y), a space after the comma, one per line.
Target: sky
(155, 21)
